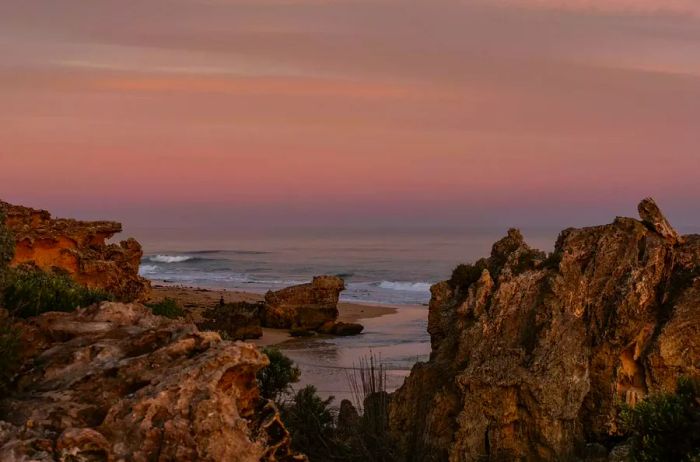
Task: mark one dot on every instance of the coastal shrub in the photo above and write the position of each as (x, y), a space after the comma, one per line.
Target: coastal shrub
(465, 275)
(30, 291)
(7, 248)
(310, 422)
(553, 260)
(371, 440)
(167, 307)
(275, 379)
(9, 352)
(528, 260)
(666, 427)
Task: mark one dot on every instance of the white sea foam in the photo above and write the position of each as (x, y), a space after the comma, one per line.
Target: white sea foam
(406, 286)
(148, 269)
(169, 258)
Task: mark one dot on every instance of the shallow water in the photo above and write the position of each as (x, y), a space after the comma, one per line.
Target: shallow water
(398, 340)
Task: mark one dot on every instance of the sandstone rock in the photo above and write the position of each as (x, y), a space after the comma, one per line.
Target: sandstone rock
(651, 215)
(80, 248)
(114, 382)
(347, 328)
(340, 329)
(305, 306)
(530, 361)
(239, 321)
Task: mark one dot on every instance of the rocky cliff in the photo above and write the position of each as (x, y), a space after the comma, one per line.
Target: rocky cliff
(533, 354)
(114, 382)
(78, 247)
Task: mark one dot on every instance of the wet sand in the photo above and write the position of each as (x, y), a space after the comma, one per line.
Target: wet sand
(396, 335)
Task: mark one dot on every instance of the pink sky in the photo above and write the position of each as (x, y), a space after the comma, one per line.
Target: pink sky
(351, 111)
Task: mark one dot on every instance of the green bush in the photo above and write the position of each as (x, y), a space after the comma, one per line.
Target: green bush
(7, 248)
(167, 307)
(30, 291)
(310, 423)
(9, 353)
(666, 427)
(465, 275)
(275, 379)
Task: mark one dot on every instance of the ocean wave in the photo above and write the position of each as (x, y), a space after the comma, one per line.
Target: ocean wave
(405, 286)
(169, 258)
(148, 269)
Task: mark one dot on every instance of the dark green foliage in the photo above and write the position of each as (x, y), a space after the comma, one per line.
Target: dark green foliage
(9, 353)
(666, 427)
(7, 248)
(370, 440)
(167, 307)
(528, 260)
(552, 261)
(465, 275)
(275, 379)
(310, 423)
(30, 291)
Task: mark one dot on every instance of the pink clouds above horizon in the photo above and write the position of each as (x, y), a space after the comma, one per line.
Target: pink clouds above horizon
(350, 110)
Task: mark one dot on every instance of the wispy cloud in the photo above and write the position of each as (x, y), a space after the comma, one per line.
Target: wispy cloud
(646, 7)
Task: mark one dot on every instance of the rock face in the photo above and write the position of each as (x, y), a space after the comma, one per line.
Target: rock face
(114, 383)
(239, 321)
(305, 306)
(79, 248)
(531, 355)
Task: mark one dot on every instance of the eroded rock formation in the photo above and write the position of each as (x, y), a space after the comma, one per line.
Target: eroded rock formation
(114, 382)
(239, 321)
(78, 247)
(531, 355)
(304, 306)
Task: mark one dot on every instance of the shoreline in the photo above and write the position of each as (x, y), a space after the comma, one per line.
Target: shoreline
(193, 299)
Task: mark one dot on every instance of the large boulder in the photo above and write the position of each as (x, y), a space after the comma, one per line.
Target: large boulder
(238, 321)
(78, 247)
(304, 306)
(532, 354)
(114, 382)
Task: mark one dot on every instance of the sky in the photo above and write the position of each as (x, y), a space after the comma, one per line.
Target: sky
(236, 113)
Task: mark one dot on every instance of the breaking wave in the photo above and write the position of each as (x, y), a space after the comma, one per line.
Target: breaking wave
(405, 286)
(147, 269)
(169, 258)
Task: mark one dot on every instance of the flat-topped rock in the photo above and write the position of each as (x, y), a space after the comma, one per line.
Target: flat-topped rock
(304, 306)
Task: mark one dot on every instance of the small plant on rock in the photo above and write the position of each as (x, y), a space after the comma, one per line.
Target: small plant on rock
(167, 307)
(666, 427)
(30, 291)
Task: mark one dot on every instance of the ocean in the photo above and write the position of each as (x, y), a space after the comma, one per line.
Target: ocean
(386, 266)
